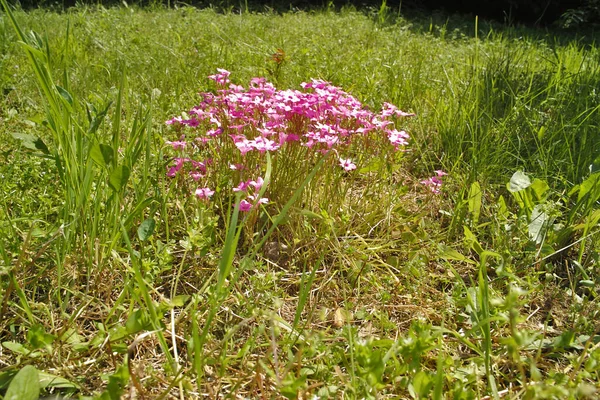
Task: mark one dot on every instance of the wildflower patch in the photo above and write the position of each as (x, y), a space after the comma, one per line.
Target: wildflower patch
(235, 126)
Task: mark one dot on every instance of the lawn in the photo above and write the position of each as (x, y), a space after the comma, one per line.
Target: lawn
(311, 205)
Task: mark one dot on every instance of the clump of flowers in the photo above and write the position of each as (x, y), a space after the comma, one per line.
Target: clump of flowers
(236, 125)
(434, 183)
(252, 199)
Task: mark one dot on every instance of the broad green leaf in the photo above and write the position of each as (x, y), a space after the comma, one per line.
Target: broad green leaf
(475, 202)
(65, 95)
(471, 241)
(592, 219)
(291, 385)
(373, 166)
(19, 349)
(587, 283)
(409, 236)
(102, 154)
(168, 304)
(138, 321)
(421, 385)
(53, 381)
(31, 142)
(518, 182)
(564, 340)
(591, 183)
(119, 177)
(595, 166)
(502, 208)
(539, 188)
(541, 132)
(180, 300)
(538, 224)
(449, 253)
(25, 385)
(72, 337)
(116, 383)
(118, 332)
(146, 229)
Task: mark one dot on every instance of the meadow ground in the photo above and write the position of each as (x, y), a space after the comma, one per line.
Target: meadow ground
(131, 268)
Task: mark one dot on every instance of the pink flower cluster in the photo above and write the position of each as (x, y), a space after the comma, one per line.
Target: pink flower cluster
(254, 199)
(320, 117)
(435, 182)
(196, 170)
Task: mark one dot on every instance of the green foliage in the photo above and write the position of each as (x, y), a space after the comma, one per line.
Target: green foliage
(116, 384)
(25, 385)
(553, 224)
(377, 287)
(588, 12)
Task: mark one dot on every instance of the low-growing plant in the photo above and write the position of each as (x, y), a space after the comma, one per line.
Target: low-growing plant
(226, 137)
(556, 225)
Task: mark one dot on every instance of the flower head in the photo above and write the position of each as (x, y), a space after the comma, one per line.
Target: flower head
(177, 145)
(347, 164)
(204, 193)
(257, 184)
(245, 205)
(222, 77)
(435, 182)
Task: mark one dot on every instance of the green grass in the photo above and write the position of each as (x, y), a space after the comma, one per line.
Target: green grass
(115, 280)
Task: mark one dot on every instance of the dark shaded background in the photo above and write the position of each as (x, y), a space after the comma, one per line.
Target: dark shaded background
(528, 12)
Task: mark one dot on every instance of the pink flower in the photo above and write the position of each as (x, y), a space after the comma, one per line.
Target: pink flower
(175, 169)
(257, 184)
(214, 132)
(174, 121)
(179, 145)
(222, 77)
(191, 122)
(347, 164)
(435, 182)
(390, 109)
(242, 187)
(236, 88)
(245, 205)
(398, 138)
(263, 144)
(244, 146)
(204, 193)
(262, 200)
(196, 175)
